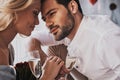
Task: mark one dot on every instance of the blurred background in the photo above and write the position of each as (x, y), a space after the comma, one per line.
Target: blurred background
(110, 8)
(102, 7)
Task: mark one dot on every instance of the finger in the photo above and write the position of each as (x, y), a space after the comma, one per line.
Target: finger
(61, 64)
(64, 70)
(54, 58)
(58, 60)
(50, 58)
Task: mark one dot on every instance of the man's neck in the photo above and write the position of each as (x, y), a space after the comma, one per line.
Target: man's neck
(78, 19)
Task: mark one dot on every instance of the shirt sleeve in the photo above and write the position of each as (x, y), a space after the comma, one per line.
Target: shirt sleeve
(45, 38)
(109, 52)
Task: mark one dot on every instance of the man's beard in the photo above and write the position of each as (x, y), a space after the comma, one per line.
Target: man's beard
(67, 28)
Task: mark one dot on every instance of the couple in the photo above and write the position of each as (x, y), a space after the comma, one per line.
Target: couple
(93, 40)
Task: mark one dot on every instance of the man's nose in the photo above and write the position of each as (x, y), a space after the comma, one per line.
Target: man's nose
(49, 23)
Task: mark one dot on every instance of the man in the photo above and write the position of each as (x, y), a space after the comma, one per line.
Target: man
(94, 40)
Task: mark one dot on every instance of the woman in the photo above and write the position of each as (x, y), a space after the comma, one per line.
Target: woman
(20, 16)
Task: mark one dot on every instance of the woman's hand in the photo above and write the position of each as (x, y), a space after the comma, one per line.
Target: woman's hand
(51, 67)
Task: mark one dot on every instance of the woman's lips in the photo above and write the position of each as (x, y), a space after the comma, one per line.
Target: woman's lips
(32, 27)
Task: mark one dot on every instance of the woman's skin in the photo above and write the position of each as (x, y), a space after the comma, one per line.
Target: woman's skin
(23, 23)
(52, 62)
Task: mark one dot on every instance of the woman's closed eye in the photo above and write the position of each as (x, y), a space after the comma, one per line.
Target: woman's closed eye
(35, 12)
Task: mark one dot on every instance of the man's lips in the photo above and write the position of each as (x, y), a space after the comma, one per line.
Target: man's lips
(54, 30)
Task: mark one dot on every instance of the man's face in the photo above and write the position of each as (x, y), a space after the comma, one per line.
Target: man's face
(58, 19)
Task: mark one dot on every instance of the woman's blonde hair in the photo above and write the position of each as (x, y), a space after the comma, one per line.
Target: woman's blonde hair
(8, 8)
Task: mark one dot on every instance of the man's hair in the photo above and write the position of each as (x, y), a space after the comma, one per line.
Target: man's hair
(65, 3)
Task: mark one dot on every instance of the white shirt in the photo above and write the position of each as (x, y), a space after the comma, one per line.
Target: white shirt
(96, 46)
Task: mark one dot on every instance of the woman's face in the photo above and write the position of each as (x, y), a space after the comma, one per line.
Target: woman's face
(27, 19)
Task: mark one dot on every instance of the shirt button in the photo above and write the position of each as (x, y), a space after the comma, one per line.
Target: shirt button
(76, 66)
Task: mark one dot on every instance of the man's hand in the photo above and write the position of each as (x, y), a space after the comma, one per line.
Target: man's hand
(62, 73)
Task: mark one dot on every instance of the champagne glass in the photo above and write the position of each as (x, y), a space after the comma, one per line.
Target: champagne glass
(34, 63)
(70, 62)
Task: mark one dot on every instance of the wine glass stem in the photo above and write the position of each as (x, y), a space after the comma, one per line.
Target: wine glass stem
(66, 76)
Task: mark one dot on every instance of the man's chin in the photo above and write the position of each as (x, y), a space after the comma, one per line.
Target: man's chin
(59, 38)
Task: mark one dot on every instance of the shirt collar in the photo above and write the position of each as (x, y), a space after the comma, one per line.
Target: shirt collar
(67, 41)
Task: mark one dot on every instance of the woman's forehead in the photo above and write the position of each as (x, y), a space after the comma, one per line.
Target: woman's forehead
(36, 4)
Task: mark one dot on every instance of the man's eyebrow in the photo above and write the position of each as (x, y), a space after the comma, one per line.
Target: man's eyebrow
(43, 17)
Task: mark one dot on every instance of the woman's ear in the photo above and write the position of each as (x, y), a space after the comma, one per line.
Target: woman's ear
(73, 6)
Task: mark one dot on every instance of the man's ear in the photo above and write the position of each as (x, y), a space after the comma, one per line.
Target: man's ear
(73, 6)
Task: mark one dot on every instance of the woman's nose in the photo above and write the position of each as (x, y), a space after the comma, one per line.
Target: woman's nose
(37, 21)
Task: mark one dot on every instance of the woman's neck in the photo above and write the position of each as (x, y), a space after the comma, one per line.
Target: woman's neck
(7, 36)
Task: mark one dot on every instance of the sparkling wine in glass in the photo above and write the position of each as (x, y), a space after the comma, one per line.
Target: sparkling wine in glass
(34, 63)
(70, 61)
